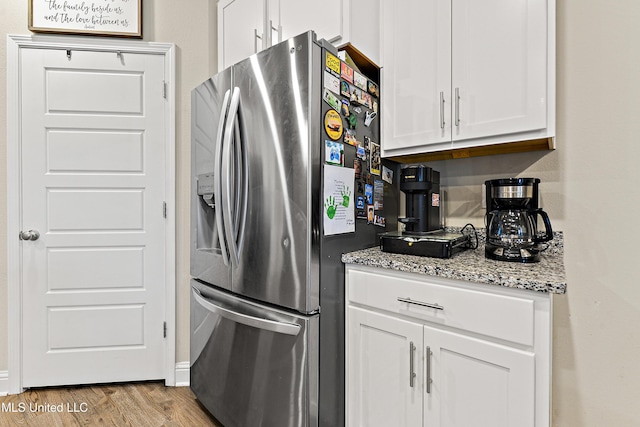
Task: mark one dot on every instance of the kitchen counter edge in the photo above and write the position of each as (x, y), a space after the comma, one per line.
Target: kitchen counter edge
(547, 276)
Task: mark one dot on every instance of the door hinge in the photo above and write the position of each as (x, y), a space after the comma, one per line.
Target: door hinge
(164, 209)
(164, 329)
(164, 89)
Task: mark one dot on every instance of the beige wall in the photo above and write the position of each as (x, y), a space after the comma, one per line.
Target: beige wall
(587, 189)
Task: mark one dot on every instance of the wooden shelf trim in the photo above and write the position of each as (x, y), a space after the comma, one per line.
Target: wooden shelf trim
(544, 144)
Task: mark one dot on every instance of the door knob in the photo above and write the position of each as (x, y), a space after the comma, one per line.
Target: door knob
(29, 235)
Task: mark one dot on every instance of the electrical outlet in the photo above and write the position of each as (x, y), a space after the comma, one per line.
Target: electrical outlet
(482, 196)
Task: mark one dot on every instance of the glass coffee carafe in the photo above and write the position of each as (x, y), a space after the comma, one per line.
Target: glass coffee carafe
(511, 220)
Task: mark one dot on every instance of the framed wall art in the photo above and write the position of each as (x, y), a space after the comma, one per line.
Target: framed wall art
(120, 18)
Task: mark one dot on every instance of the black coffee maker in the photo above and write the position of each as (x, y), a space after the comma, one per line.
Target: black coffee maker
(421, 186)
(511, 220)
(424, 234)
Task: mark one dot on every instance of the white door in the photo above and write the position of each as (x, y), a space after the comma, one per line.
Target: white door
(93, 180)
(499, 67)
(476, 383)
(416, 77)
(383, 354)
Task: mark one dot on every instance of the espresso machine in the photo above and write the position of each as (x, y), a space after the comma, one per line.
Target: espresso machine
(511, 220)
(423, 232)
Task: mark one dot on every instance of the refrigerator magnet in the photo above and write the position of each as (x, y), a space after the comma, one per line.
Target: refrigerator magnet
(357, 168)
(350, 137)
(347, 73)
(353, 122)
(378, 194)
(368, 194)
(332, 63)
(374, 158)
(331, 99)
(359, 80)
(345, 108)
(366, 100)
(334, 153)
(344, 89)
(373, 88)
(331, 82)
(333, 125)
(387, 175)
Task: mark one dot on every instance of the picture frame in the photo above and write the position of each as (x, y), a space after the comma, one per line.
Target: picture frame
(115, 18)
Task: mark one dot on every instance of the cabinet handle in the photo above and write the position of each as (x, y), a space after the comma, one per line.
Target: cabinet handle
(422, 304)
(457, 97)
(278, 31)
(442, 110)
(256, 37)
(429, 380)
(412, 374)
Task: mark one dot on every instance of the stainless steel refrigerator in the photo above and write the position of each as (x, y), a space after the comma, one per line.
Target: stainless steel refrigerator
(267, 288)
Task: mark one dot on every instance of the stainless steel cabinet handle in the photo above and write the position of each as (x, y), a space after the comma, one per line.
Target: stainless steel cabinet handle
(278, 31)
(429, 380)
(422, 304)
(412, 374)
(457, 97)
(442, 110)
(256, 37)
(256, 322)
(29, 235)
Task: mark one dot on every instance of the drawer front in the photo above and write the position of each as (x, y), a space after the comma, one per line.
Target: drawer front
(500, 316)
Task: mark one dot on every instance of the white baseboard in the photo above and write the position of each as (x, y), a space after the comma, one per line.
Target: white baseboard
(4, 383)
(182, 378)
(182, 374)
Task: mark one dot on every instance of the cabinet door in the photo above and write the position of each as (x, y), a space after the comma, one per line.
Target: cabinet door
(499, 67)
(379, 366)
(416, 77)
(476, 383)
(240, 30)
(293, 17)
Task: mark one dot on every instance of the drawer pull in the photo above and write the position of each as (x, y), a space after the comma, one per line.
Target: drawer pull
(420, 303)
(412, 374)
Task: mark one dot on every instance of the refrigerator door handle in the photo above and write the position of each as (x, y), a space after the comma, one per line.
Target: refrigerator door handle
(228, 176)
(243, 173)
(256, 322)
(217, 177)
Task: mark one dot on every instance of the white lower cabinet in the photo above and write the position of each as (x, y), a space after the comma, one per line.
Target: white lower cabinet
(383, 370)
(472, 382)
(406, 366)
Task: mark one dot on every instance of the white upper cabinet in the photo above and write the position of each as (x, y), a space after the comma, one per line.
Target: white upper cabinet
(466, 73)
(248, 26)
(292, 17)
(416, 73)
(240, 30)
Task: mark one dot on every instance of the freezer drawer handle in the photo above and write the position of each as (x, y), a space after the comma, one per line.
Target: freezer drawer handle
(420, 303)
(256, 322)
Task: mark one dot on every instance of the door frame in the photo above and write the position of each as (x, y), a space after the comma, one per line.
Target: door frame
(14, 201)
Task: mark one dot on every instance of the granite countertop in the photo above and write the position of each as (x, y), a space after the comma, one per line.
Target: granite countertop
(471, 265)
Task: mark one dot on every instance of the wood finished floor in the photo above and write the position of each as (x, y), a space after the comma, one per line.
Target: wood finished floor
(135, 405)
